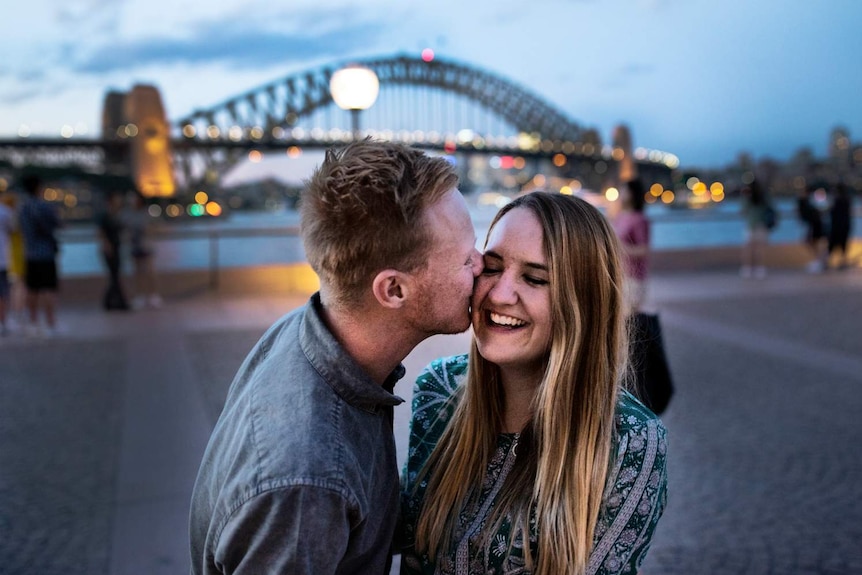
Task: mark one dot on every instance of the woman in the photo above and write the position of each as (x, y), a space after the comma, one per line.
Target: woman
(527, 457)
(633, 229)
(651, 381)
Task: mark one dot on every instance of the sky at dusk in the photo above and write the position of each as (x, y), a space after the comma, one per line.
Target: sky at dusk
(701, 79)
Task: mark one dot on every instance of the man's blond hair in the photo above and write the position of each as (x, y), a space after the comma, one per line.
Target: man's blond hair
(362, 212)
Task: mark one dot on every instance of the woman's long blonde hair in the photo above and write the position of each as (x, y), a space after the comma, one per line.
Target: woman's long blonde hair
(564, 452)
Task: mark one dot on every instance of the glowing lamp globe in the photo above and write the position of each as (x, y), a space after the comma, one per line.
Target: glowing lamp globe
(354, 88)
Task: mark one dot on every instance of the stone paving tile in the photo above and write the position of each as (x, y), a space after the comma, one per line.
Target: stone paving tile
(819, 318)
(59, 425)
(763, 452)
(763, 428)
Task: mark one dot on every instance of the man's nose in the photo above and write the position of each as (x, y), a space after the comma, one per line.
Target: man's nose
(477, 263)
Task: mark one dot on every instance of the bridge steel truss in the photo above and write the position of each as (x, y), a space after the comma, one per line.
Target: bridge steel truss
(214, 139)
(208, 142)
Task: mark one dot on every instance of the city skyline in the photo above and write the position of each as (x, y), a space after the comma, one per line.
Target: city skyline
(702, 80)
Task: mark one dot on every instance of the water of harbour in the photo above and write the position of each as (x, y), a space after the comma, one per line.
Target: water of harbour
(262, 238)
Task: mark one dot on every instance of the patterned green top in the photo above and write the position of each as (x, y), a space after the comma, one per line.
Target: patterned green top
(632, 505)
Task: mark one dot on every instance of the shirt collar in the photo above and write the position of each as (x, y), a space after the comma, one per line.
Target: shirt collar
(339, 369)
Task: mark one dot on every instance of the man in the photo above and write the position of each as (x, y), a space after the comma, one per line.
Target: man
(300, 473)
(110, 226)
(39, 222)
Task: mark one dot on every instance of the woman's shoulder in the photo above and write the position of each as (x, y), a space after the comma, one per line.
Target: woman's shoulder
(434, 398)
(444, 373)
(634, 419)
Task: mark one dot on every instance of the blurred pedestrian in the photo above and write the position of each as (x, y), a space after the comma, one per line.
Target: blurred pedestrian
(760, 218)
(809, 214)
(840, 223)
(8, 225)
(39, 224)
(633, 230)
(110, 227)
(653, 383)
(138, 224)
(16, 306)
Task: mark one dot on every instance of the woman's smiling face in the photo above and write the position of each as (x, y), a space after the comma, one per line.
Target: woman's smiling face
(512, 298)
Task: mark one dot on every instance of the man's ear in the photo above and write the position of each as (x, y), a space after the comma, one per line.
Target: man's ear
(391, 288)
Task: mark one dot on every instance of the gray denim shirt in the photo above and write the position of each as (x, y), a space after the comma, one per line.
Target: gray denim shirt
(300, 473)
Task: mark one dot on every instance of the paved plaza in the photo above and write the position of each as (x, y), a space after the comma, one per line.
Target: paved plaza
(103, 427)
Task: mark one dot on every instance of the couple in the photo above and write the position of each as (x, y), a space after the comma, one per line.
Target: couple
(525, 455)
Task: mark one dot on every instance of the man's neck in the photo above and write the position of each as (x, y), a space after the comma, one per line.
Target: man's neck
(373, 339)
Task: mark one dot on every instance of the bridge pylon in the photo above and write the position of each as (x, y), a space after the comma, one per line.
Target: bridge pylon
(138, 116)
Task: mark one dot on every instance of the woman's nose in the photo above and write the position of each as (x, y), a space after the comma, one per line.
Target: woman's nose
(503, 291)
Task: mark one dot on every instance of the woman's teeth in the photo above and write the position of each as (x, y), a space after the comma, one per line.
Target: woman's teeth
(506, 320)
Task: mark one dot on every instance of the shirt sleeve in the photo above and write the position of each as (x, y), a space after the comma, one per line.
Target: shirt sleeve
(635, 501)
(297, 530)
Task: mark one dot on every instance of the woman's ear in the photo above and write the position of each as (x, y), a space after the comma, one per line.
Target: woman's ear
(391, 288)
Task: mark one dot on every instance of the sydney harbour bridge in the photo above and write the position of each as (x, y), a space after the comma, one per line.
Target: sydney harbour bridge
(438, 105)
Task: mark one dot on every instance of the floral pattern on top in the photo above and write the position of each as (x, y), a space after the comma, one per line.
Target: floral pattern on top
(632, 504)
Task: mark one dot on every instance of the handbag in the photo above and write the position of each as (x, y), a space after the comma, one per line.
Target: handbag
(653, 383)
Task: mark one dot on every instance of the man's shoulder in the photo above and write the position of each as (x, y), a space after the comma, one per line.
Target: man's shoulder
(274, 364)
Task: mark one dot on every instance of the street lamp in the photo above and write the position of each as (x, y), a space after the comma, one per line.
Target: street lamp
(354, 88)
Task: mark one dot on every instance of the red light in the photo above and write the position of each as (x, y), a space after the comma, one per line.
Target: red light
(449, 147)
(427, 54)
(507, 162)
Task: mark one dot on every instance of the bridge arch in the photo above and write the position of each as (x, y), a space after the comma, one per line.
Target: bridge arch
(283, 102)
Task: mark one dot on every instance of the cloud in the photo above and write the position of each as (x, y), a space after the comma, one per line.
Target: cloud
(636, 69)
(23, 85)
(653, 4)
(621, 77)
(22, 94)
(236, 45)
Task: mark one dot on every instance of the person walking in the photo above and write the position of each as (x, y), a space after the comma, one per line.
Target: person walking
(39, 223)
(300, 474)
(527, 456)
(760, 218)
(110, 226)
(16, 305)
(633, 230)
(815, 233)
(8, 226)
(653, 383)
(138, 222)
(840, 224)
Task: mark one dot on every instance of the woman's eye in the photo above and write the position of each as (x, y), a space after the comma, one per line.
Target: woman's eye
(535, 281)
(488, 271)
